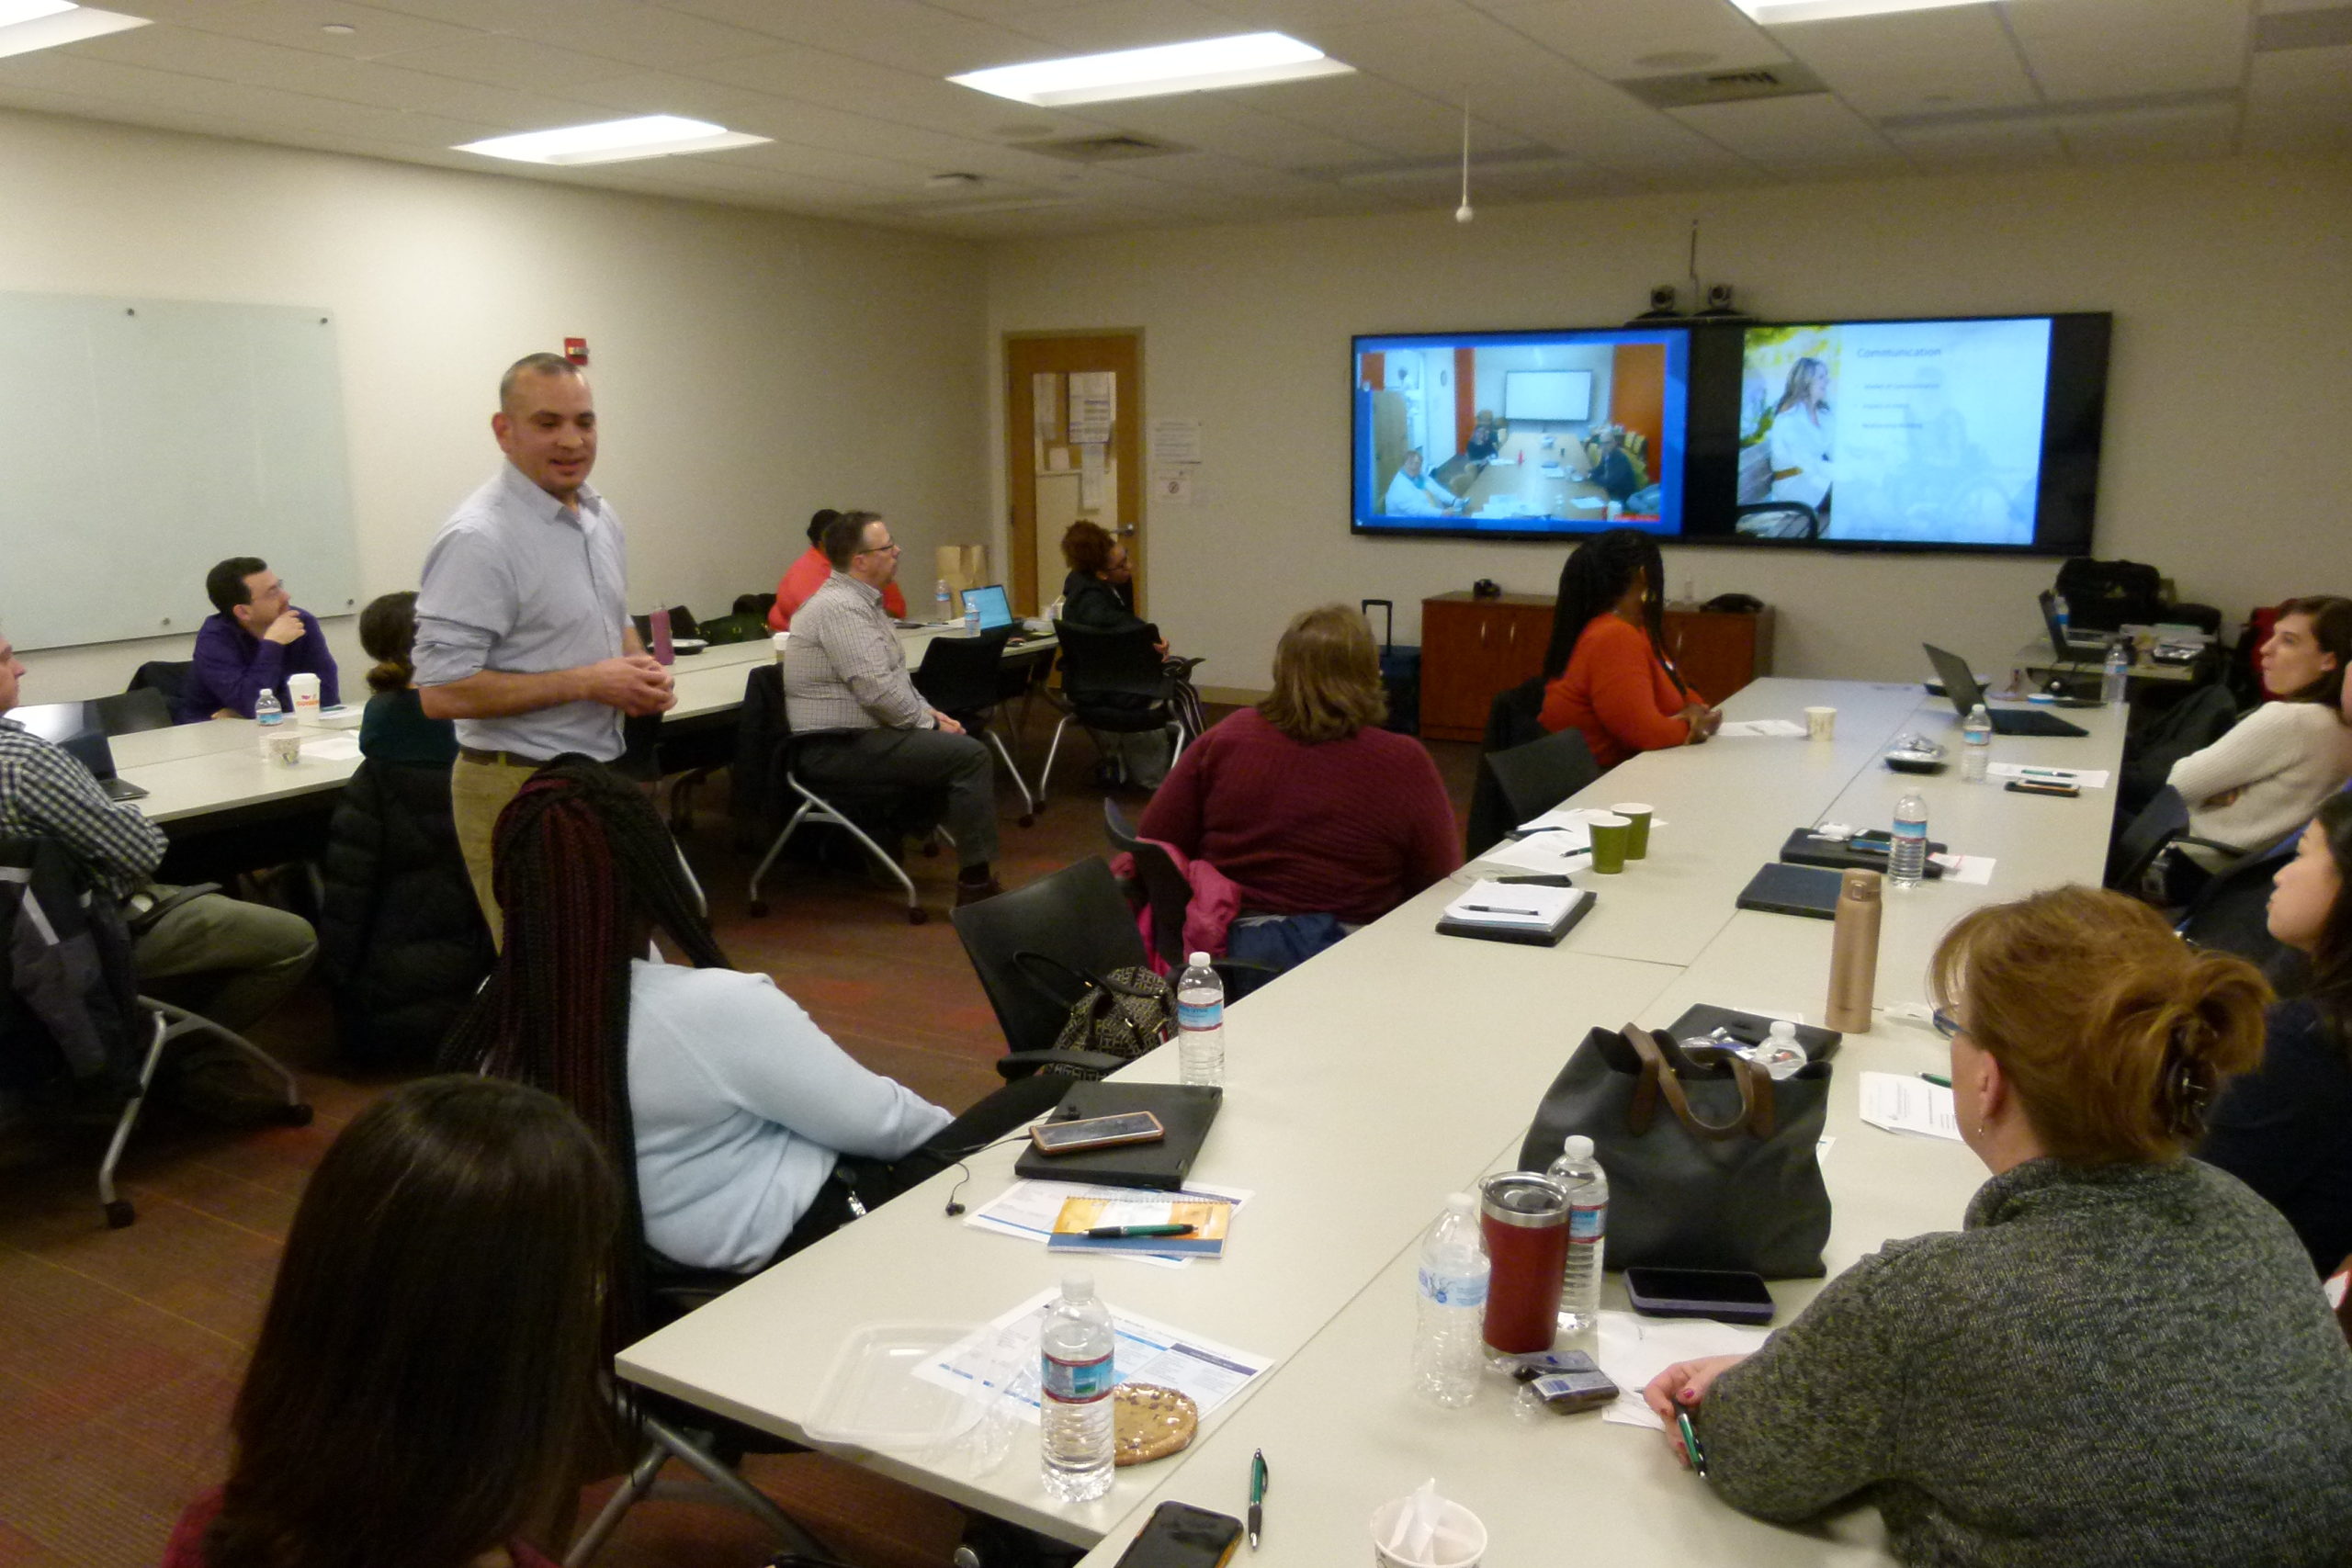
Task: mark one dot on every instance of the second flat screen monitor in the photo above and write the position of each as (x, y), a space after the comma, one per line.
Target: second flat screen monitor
(1519, 435)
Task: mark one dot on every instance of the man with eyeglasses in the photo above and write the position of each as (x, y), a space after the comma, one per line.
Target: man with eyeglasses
(847, 693)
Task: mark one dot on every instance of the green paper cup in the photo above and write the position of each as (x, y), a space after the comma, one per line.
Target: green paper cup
(1637, 842)
(1612, 837)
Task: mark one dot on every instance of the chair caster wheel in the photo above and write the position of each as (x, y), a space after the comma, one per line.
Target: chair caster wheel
(1028, 819)
(294, 1116)
(916, 916)
(757, 908)
(119, 1213)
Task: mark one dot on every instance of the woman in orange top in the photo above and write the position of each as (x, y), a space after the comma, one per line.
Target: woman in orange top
(1606, 672)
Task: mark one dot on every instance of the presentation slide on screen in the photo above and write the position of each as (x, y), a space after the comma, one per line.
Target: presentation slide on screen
(1520, 434)
(1924, 432)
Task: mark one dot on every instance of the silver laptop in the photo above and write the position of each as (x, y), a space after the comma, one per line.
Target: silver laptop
(2066, 642)
(73, 728)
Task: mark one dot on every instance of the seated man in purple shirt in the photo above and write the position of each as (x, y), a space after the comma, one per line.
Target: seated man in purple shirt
(254, 644)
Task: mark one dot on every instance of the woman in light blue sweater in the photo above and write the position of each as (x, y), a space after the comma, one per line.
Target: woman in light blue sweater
(749, 1132)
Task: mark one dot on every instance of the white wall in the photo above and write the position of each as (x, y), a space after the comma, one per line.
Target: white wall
(749, 367)
(2228, 414)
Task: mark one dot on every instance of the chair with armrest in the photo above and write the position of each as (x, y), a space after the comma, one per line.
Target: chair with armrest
(1113, 683)
(1525, 782)
(961, 676)
(168, 676)
(70, 1006)
(2231, 914)
(131, 712)
(1169, 897)
(1077, 919)
(2133, 864)
(893, 802)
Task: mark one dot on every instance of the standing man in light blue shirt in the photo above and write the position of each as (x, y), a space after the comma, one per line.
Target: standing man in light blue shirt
(523, 633)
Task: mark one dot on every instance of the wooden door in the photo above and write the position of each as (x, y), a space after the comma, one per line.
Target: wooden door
(1073, 426)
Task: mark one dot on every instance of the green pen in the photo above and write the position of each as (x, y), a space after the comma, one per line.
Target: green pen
(1691, 1443)
(1122, 1233)
(1257, 1495)
(1938, 1081)
(2067, 773)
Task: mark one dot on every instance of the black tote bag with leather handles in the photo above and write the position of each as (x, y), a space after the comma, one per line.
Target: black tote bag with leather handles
(1708, 1167)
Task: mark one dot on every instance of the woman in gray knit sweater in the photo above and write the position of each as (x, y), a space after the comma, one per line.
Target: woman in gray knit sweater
(2121, 1358)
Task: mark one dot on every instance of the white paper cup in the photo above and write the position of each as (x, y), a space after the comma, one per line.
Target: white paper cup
(1459, 1542)
(282, 743)
(777, 642)
(1820, 724)
(304, 689)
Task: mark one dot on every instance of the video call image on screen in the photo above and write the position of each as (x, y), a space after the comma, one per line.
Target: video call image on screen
(1900, 432)
(1523, 434)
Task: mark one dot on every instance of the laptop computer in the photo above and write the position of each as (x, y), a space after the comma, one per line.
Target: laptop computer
(1186, 1111)
(2065, 641)
(989, 601)
(74, 729)
(1959, 685)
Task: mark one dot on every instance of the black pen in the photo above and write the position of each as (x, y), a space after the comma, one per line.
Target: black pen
(1494, 909)
(1257, 1495)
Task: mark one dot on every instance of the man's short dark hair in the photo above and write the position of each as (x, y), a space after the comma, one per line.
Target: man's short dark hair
(845, 535)
(225, 585)
(819, 521)
(534, 365)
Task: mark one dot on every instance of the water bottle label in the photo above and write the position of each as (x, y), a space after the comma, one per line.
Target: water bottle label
(1075, 1382)
(1453, 1289)
(1911, 831)
(1588, 1222)
(1199, 1015)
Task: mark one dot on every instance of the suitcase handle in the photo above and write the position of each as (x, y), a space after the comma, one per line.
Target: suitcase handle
(1388, 635)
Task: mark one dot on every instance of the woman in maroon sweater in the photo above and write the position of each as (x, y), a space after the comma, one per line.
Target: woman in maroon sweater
(1303, 801)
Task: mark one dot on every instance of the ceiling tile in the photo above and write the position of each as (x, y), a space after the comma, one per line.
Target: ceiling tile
(1968, 146)
(1807, 135)
(626, 30)
(500, 59)
(1617, 39)
(2299, 101)
(2203, 131)
(901, 33)
(1299, 17)
(2093, 48)
(1948, 60)
(1217, 122)
(1105, 25)
(882, 93)
(1375, 113)
(299, 24)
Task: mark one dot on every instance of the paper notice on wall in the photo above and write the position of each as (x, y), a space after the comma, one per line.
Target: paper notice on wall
(1046, 395)
(1175, 440)
(1093, 405)
(1172, 483)
(1092, 468)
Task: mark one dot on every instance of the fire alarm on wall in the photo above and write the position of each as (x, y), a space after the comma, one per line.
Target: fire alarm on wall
(576, 350)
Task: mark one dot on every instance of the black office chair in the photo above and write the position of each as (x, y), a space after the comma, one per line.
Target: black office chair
(1169, 897)
(681, 624)
(904, 808)
(1113, 683)
(2134, 863)
(962, 677)
(2190, 725)
(2231, 914)
(1524, 783)
(129, 713)
(1075, 916)
(169, 676)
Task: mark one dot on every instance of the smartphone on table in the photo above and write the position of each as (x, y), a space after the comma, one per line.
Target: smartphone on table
(1096, 1133)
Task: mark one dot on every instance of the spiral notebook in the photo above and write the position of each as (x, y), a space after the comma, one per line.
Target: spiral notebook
(1515, 911)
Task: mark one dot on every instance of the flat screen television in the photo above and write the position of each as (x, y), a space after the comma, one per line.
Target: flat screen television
(1976, 434)
(1519, 435)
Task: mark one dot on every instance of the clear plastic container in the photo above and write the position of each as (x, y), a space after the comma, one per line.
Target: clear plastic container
(871, 1398)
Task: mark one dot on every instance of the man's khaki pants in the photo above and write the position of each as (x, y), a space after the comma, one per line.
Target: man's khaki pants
(479, 791)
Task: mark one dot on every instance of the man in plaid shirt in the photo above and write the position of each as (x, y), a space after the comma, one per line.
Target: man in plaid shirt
(230, 960)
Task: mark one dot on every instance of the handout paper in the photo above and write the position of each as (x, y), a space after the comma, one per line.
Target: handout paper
(1903, 1103)
(1491, 903)
(1975, 869)
(1633, 1350)
(1207, 1372)
(1565, 819)
(1546, 854)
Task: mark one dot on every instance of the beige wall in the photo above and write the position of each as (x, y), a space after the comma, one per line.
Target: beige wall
(750, 367)
(2229, 428)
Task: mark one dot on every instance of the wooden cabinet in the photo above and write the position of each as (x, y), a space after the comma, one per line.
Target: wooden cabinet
(1473, 649)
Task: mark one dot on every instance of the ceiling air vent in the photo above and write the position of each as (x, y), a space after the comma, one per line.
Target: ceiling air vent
(1694, 88)
(1115, 147)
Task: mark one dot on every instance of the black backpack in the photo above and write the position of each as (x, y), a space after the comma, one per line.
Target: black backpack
(2107, 595)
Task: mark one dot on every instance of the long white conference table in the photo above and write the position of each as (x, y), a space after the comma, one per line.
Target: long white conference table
(196, 773)
(1365, 1086)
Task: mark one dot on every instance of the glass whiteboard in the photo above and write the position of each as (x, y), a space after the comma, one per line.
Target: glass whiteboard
(144, 440)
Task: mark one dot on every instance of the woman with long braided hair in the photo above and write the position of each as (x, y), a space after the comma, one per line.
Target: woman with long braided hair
(742, 1131)
(1606, 672)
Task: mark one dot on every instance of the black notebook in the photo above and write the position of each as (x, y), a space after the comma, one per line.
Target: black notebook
(1865, 852)
(1783, 889)
(1185, 1112)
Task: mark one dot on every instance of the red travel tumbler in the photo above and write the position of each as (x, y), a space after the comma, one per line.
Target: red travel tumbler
(1524, 1218)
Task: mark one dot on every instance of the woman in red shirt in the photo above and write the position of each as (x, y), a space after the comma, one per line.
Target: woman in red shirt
(424, 1388)
(1304, 801)
(1606, 672)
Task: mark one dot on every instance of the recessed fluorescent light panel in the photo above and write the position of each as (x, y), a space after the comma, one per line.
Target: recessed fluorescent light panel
(612, 141)
(1202, 66)
(1776, 13)
(28, 25)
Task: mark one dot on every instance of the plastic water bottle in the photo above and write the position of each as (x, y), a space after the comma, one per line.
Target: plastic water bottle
(971, 618)
(1588, 1185)
(270, 716)
(1200, 1023)
(2114, 686)
(1907, 862)
(1074, 1381)
(1780, 1052)
(2058, 613)
(1976, 748)
(1450, 1340)
(943, 603)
